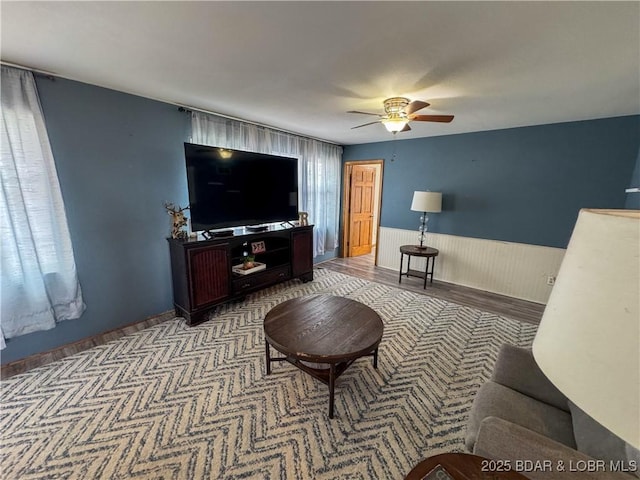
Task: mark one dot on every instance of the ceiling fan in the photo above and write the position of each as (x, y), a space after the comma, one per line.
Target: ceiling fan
(399, 111)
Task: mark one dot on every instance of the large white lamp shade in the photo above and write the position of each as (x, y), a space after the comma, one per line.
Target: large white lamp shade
(588, 342)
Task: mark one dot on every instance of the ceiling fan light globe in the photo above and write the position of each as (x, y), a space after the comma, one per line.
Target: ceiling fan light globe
(394, 125)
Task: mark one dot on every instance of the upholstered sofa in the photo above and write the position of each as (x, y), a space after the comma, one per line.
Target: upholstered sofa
(520, 419)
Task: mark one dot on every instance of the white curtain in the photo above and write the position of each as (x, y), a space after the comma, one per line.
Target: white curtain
(39, 284)
(318, 167)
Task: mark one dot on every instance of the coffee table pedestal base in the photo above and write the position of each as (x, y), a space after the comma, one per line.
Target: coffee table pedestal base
(327, 375)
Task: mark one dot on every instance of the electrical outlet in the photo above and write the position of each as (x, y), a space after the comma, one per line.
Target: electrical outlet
(551, 280)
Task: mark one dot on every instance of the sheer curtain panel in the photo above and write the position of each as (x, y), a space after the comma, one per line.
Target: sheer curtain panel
(318, 167)
(39, 284)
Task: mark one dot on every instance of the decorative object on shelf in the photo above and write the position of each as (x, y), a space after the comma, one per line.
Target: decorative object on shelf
(245, 269)
(178, 221)
(248, 262)
(258, 247)
(588, 341)
(438, 473)
(425, 202)
(303, 219)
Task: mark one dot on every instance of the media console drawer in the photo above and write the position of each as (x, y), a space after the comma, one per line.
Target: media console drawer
(261, 279)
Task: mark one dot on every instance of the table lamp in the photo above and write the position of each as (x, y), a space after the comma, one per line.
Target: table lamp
(425, 202)
(588, 341)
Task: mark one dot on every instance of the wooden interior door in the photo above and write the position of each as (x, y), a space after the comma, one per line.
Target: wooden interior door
(361, 203)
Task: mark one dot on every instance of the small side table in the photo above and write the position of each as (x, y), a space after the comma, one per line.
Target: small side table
(416, 251)
(462, 466)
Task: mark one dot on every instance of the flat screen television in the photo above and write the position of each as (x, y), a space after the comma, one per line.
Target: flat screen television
(231, 188)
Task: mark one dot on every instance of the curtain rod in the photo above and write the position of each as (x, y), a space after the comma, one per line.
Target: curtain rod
(41, 73)
(185, 108)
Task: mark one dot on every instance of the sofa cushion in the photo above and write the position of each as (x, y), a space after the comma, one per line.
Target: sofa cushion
(512, 443)
(633, 457)
(495, 400)
(517, 369)
(597, 441)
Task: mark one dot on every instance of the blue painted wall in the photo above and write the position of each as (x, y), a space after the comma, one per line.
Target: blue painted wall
(119, 157)
(521, 185)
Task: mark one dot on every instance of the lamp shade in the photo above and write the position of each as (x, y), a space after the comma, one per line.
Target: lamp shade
(588, 341)
(427, 202)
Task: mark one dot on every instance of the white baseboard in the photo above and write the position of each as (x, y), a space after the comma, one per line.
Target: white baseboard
(514, 269)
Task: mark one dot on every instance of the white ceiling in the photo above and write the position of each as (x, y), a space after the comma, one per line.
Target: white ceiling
(300, 66)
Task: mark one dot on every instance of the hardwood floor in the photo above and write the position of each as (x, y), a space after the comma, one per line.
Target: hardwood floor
(39, 359)
(363, 267)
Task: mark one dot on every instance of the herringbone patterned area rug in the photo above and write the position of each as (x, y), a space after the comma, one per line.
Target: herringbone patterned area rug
(179, 402)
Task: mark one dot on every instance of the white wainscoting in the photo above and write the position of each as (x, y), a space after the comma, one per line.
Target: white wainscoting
(514, 269)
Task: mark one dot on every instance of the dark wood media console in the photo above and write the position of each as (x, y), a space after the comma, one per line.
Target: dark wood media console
(202, 269)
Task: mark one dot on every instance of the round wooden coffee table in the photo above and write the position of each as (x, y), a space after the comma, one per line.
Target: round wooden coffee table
(322, 329)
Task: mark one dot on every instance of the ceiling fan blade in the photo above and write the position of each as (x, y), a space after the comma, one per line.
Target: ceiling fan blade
(432, 118)
(406, 128)
(415, 106)
(365, 124)
(364, 113)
